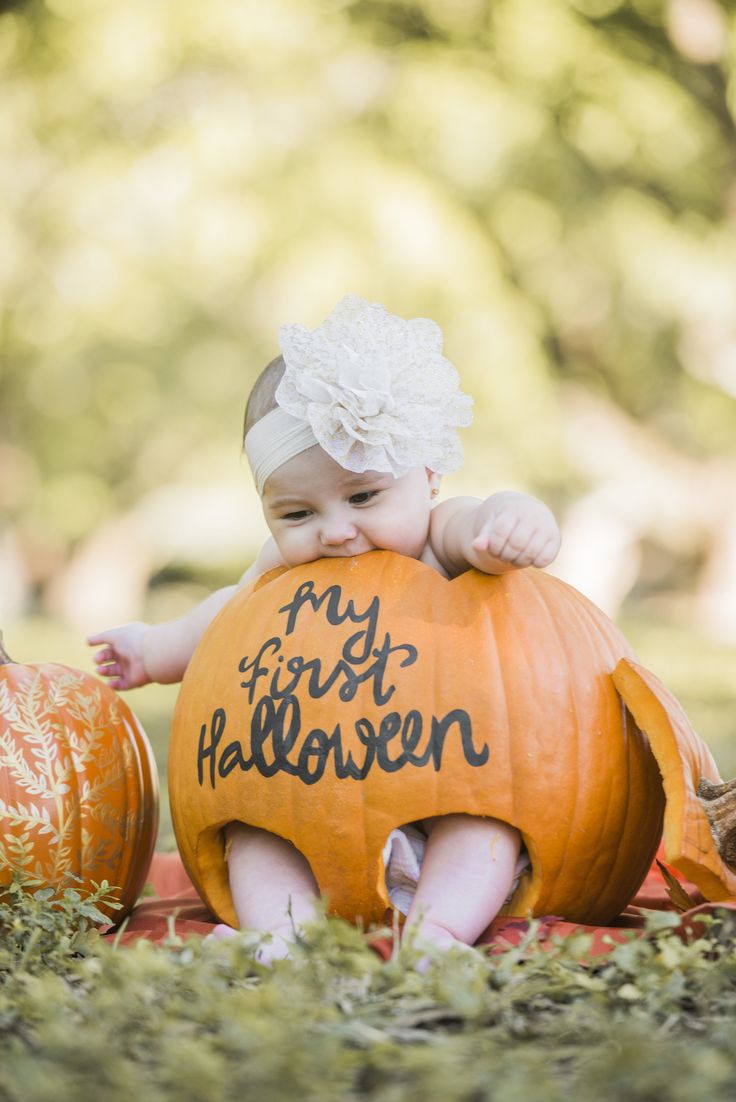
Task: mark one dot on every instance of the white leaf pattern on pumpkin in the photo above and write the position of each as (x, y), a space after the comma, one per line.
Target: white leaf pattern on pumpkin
(41, 755)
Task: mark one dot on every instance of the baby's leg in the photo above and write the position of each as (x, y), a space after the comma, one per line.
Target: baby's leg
(467, 873)
(272, 886)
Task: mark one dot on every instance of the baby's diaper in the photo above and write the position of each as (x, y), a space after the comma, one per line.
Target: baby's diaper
(402, 858)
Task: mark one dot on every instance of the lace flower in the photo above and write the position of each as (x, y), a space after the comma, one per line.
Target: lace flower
(376, 389)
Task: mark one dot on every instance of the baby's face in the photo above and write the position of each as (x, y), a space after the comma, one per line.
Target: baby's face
(316, 509)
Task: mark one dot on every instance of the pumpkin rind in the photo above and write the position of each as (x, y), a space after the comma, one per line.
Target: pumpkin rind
(684, 761)
(527, 658)
(78, 782)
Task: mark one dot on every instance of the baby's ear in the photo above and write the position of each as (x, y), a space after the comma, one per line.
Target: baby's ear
(433, 480)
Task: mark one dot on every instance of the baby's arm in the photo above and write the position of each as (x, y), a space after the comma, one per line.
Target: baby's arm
(506, 531)
(137, 653)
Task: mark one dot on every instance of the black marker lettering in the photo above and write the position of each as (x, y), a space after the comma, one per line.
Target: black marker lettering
(273, 733)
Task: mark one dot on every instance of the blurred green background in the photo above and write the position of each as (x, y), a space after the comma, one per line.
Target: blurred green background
(554, 181)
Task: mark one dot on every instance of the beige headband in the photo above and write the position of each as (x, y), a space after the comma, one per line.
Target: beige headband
(274, 440)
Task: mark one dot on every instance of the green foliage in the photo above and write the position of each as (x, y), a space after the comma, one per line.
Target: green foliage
(202, 1022)
(49, 927)
(550, 179)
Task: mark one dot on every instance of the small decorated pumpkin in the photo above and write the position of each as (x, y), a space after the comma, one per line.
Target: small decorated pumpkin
(78, 782)
(337, 700)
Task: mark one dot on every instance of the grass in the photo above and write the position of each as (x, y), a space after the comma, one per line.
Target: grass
(81, 1019)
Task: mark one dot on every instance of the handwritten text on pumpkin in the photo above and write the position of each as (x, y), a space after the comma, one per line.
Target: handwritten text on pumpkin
(277, 742)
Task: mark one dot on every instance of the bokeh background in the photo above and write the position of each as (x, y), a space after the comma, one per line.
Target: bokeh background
(554, 181)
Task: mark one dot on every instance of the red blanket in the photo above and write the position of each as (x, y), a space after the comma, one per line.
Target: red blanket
(176, 902)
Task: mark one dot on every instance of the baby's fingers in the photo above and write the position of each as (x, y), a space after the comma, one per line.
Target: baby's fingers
(501, 537)
(108, 667)
(514, 546)
(115, 676)
(119, 658)
(107, 654)
(524, 546)
(507, 533)
(539, 550)
(547, 553)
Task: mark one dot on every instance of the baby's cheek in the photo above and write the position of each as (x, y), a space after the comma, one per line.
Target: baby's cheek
(303, 547)
(408, 537)
(287, 548)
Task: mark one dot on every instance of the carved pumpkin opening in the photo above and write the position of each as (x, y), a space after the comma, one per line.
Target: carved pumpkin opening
(211, 865)
(402, 860)
(211, 869)
(227, 843)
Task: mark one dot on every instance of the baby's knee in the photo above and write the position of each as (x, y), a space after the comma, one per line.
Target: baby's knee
(260, 849)
(470, 827)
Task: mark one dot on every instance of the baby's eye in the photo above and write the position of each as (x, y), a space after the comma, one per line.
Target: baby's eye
(299, 515)
(363, 497)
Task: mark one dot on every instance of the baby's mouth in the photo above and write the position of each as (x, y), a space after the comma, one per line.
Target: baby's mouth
(349, 550)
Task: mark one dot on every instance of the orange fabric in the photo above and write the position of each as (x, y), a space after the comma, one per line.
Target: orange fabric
(177, 904)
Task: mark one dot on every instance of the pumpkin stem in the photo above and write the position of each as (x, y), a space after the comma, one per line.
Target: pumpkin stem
(719, 803)
(5, 658)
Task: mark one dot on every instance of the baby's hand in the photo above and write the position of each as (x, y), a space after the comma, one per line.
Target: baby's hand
(515, 529)
(121, 657)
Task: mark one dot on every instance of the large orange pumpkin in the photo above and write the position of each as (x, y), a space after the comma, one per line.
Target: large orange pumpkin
(335, 701)
(78, 782)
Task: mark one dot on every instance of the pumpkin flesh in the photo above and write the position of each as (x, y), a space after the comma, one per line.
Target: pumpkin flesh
(685, 763)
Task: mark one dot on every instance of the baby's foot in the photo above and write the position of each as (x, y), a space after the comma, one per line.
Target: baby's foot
(431, 940)
(221, 932)
(276, 944)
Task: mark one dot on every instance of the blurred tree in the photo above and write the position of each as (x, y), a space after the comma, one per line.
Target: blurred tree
(552, 180)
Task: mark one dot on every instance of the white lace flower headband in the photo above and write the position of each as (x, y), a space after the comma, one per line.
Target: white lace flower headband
(373, 390)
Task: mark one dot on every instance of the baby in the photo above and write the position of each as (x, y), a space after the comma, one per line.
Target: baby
(348, 434)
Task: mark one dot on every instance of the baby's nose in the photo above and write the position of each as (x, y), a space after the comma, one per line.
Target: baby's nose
(337, 530)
